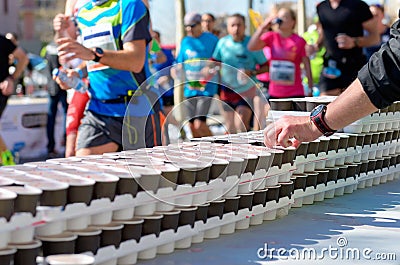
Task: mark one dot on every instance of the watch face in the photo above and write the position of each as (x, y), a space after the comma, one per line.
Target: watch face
(317, 110)
(99, 51)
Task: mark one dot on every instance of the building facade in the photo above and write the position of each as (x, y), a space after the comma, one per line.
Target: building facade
(30, 19)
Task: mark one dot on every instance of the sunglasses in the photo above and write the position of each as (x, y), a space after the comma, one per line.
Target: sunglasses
(192, 25)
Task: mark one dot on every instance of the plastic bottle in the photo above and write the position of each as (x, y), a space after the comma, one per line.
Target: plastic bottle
(73, 82)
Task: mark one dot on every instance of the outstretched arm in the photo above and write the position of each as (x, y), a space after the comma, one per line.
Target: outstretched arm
(255, 42)
(350, 106)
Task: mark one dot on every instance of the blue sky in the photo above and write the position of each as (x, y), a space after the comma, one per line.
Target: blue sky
(163, 11)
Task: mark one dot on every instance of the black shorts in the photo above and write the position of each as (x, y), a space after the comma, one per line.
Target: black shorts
(231, 106)
(129, 133)
(167, 101)
(349, 72)
(197, 108)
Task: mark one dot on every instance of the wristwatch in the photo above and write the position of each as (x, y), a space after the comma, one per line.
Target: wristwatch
(98, 54)
(317, 117)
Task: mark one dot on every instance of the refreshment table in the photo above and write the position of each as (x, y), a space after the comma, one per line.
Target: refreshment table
(368, 219)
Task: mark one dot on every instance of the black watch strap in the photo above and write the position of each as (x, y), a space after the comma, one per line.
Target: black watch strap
(98, 54)
(96, 57)
(318, 118)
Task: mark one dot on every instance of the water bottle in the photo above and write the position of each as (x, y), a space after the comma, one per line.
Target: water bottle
(72, 82)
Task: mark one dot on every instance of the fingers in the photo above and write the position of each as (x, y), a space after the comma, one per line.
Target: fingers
(284, 138)
(295, 143)
(61, 41)
(60, 22)
(270, 136)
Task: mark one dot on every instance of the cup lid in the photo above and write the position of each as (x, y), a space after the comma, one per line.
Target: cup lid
(130, 221)
(73, 180)
(7, 251)
(5, 181)
(154, 216)
(186, 209)
(7, 194)
(48, 185)
(90, 231)
(165, 168)
(24, 190)
(67, 236)
(97, 176)
(143, 171)
(29, 245)
(70, 259)
(110, 226)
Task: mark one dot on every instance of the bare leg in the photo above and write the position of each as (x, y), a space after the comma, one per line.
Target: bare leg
(3, 146)
(229, 118)
(259, 113)
(200, 129)
(70, 144)
(170, 117)
(97, 150)
(242, 118)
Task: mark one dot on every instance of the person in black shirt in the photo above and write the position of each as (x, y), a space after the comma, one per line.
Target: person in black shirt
(7, 83)
(377, 86)
(342, 25)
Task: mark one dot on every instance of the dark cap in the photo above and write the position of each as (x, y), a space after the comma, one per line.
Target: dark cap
(192, 18)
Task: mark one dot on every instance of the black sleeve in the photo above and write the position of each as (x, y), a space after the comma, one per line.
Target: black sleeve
(8, 47)
(364, 14)
(380, 77)
(140, 29)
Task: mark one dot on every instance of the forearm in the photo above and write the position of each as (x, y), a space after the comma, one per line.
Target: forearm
(20, 67)
(123, 60)
(23, 61)
(131, 58)
(255, 43)
(350, 106)
(307, 68)
(367, 41)
(263, 69)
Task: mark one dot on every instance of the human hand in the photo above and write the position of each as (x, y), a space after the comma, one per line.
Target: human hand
(267, 24)
(70, 73)
(311, 50)
(69, 49)
(344, 41)
(290, 131)
(7, 86)
(61, 22)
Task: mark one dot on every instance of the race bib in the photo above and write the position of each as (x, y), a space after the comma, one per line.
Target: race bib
(282, 72)
(98, 36)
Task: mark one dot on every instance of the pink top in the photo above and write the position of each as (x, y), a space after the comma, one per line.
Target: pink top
(264, 77)
(286, 58)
